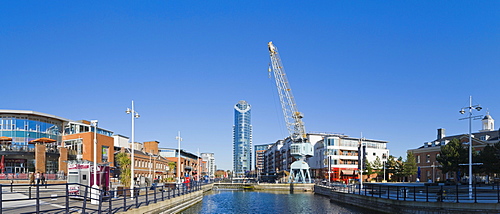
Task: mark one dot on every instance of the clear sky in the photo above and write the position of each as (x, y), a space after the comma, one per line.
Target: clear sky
(392, 70)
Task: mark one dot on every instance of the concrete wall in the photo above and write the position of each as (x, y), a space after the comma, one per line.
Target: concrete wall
(173, 205)
(395, 206)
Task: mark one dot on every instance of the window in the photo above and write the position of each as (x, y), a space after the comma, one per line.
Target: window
(428, 158)
(418, 158)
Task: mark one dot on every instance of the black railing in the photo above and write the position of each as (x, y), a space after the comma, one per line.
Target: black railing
(56, 198)
(424, 192)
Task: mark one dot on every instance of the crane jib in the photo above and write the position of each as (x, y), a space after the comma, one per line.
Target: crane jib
(300, 148)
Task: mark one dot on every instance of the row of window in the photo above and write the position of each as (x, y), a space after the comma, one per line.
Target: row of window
(427, 158)
(353, 143)
(25, 124)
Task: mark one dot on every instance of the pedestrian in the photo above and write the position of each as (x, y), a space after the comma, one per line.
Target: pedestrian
(43, 179)
(32, 178)
(37, 177)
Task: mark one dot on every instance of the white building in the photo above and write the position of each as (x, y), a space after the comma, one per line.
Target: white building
(336, 156)
(209, 158)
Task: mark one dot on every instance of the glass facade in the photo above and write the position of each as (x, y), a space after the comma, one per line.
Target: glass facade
(23, 127)
(242, 139)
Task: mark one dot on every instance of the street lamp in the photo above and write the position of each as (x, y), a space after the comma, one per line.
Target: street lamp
(134, 116)
(179, 139)
(470, 117)
(95, 187)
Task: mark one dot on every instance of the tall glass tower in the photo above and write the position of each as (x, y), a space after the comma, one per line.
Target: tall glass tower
(242, 139)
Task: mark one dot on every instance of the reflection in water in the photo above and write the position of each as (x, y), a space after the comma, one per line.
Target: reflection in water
(236, 201)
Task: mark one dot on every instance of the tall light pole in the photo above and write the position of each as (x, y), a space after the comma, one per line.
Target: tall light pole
(385, 162)
(150, 165)
(361, 153)
(179, 139)
(95, 187)
(470, 117)
(132, 159)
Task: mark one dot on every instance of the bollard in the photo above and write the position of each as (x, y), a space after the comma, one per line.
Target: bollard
(11, 185)
(29, 192)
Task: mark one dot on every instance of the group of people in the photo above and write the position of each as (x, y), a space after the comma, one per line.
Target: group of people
(38, 177)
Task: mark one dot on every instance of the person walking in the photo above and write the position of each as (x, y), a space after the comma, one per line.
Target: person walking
(32, 178)
(37, 177)
(43, 179)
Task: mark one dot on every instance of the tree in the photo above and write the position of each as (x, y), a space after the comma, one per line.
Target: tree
(171, 167)
(377, 166)
(451, 156)
(392, 167)
(123, 162)
(410, 165)
(368, 169)
(490, 157)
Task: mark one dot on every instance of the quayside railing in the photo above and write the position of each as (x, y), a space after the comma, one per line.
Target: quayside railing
(56, 198)
(423, 192)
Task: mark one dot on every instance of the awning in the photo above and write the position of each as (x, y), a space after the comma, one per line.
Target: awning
(42, 140)
(348, 172)
(3, 138)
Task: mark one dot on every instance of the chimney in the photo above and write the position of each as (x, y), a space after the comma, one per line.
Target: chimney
(441, 133)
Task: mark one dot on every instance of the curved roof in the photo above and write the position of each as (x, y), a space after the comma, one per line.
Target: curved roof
(34, 113)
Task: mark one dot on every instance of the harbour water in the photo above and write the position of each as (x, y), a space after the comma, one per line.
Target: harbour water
(238, 201)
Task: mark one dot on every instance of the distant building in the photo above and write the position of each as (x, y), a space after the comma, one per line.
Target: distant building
(334, 154)
(189, 165)
(427, 154)
(209, 158)
(259, 155)
(242, 139)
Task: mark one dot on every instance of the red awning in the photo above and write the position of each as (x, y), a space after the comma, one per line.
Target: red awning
(3, 138)
(43, 140)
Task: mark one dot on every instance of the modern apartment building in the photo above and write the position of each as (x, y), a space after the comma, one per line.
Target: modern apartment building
(209, 158)
(336, 156)
(242, 139)
(259, 155)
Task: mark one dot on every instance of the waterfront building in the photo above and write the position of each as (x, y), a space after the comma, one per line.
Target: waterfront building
(209, 159)
(242, 139)
(259, 155)
(38, 142)
(148, 163)
(337, 156)
(426, 154)
(189, 165)
(19, 131)
(334, 154)
(277, 158)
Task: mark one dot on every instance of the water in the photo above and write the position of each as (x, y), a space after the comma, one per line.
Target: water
(236, 201)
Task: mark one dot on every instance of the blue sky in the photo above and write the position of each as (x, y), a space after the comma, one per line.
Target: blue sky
(392, 70)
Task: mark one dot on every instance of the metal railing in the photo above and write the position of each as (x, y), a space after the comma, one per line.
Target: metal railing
(423, 192)
(55, 198)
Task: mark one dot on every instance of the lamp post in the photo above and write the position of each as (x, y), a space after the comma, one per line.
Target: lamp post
(470, 117)
(150, 165)
(132, 159)
(385, 162)
(94, 191)
(361, 153)
(179, 139)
